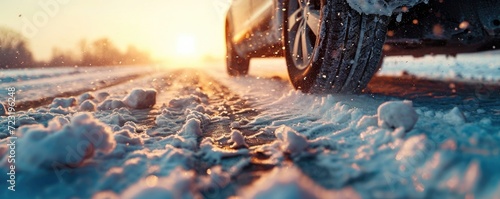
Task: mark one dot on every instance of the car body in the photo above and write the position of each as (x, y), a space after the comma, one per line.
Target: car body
(256, 28)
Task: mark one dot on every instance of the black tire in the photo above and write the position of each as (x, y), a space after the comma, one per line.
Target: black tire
(344, 52)
(236, 64)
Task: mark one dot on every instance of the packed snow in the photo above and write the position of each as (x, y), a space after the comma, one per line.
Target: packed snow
(381, 7)
(197, 133)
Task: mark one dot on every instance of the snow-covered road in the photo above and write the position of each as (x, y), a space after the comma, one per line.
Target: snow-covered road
(197, 133)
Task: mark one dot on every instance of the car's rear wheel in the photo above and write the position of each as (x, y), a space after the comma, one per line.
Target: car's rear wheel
(331, 48)
(236, 64)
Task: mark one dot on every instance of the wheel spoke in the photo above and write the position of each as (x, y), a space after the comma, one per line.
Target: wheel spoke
(313, 21)
(301, 4)
(296, 44)
(294, 19)
(305, 45)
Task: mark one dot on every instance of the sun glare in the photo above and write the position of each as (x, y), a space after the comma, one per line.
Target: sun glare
(186, 46)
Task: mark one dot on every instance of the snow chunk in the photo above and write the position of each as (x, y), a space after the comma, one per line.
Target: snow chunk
(414, 148)
(291, 141)
(192, 129)
(381, 7)
(126, 136)
(182, 103)
(84, 97)
(290, 182)
(140, 98)
(237, 139)
(395, 114)
(111, 104)
(63, 143)
(102, 96)
(87, 105)
(179, 184)
(63, 102)
(366, 121)
(455, 116)
(119, 117)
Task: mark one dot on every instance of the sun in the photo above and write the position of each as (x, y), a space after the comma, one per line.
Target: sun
(186, 46)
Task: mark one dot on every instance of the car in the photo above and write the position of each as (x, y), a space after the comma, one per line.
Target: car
(336, 46)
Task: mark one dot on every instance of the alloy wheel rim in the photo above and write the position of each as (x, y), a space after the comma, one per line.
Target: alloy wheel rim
(303, 30)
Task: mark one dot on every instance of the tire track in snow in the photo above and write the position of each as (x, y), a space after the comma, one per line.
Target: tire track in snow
(222, 103)
(25, 105)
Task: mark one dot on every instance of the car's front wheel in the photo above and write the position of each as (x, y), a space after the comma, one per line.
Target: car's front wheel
(329, 47)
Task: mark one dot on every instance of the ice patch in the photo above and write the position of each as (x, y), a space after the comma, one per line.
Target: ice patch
(140, 98)
(395, 114)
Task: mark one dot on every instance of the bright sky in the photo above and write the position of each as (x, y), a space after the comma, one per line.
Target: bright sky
(165, 28)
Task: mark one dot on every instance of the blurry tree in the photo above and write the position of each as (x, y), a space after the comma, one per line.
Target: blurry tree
(14, 52)
(63, 58)
(135, 56)
(102, 52)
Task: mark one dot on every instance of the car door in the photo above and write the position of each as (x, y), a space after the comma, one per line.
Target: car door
(261, 11)
(240, 16)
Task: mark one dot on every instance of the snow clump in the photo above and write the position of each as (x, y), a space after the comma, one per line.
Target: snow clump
(291, 141)
(290, 182)
(179, 184)
(63, 102)
(396, 114)
(455, 117)
(87, 105)
(111, 104)
(62, 142)
(140, 98)
(237, 139)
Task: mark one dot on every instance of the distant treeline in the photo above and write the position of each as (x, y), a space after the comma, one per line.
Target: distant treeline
(15, 53)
